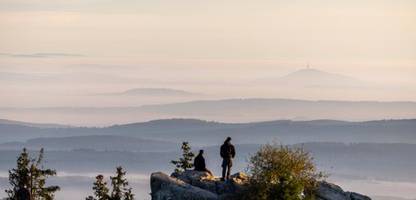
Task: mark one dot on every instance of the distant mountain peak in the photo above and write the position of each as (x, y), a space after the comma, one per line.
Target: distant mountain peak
(309, 70)
(155, 92)
(312, 71)
(315, 77)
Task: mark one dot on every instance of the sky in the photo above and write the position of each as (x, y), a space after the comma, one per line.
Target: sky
(54, 48)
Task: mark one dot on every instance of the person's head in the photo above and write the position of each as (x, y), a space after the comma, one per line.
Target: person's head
(227, 140)
(201, 152)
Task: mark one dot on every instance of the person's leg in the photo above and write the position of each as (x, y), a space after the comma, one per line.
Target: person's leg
(224, 168)
(228, 171)
(229, 165)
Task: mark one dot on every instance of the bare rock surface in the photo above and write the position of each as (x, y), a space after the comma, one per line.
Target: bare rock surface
(329, 191)
(195, 185)
(165, 187)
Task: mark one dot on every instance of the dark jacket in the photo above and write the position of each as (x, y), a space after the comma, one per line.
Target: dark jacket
(227, 151)
(199, 163)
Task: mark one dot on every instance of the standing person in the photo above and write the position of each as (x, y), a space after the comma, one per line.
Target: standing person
(227, 153)
(199, 163)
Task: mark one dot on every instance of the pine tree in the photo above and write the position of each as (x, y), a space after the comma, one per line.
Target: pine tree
(120, 186)
(39, 176)
(120, 189)
(30, 177)
(100, 189)
(185, 162)
(19, 177)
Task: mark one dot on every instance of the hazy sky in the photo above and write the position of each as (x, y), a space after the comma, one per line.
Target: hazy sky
(54, 47)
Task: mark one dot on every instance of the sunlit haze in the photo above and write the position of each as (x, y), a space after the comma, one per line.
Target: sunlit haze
(63, 53)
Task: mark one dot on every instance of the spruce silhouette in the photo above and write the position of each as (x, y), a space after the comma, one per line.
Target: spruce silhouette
(28, 179)
(120, 187)
(185, 162)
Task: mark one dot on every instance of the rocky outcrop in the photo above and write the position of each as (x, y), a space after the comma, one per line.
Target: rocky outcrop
(329, 191)
(164, 187)
(194, 185)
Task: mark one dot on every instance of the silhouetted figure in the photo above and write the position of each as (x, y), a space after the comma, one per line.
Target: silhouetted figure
(199, 163)
(227, 153)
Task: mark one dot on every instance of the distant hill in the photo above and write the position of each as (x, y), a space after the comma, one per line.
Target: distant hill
(286, 131)
(37, 125)
(95, 142)
(204, 133)
(317, 78)
(243, 110)
(224, 110)
(156, 92)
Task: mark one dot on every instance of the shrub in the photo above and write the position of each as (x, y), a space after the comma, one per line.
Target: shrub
(281, 172)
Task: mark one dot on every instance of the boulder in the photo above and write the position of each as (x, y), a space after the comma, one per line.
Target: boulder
(164, 187)
(329, 191)
(196, 185)
(199, 179)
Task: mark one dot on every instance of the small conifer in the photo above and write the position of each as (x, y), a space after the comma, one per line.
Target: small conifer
(185, 162)
(120, 188)
(29, 179)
